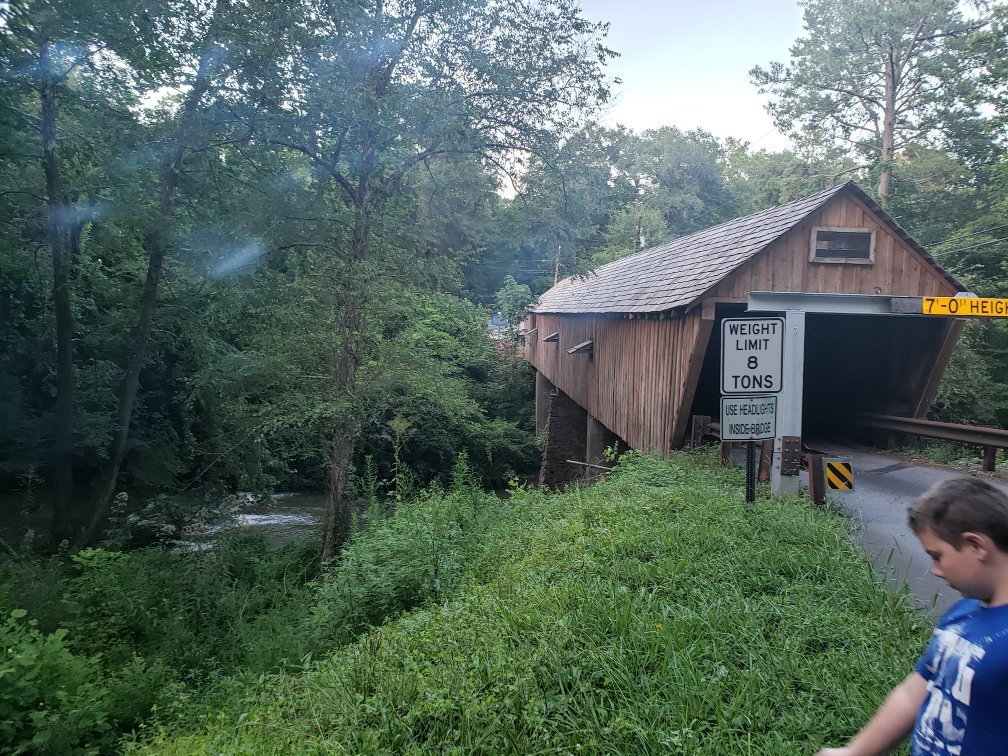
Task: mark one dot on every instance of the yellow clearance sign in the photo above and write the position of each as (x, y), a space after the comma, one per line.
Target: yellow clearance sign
(964, 307)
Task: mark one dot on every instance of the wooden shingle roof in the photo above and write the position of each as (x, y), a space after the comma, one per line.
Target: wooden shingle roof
(678, 273)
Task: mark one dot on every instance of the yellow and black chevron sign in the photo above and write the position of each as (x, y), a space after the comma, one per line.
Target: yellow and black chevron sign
(839, 474)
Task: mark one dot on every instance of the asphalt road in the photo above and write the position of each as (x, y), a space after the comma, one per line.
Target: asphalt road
(884, 487)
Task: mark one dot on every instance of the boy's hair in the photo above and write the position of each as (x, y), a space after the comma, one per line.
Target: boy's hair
(958, 505)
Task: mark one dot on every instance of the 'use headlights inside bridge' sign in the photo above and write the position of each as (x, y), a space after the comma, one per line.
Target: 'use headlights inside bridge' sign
(752, 355)
(748, 418)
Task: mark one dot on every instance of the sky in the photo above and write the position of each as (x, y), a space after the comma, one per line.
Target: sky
(686, 63)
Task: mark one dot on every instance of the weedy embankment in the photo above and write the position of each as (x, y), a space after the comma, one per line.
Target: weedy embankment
(653, 612)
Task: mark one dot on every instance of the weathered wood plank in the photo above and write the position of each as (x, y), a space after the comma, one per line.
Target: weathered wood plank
(697, 349)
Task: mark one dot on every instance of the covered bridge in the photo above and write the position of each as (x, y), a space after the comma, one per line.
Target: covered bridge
(632, 350)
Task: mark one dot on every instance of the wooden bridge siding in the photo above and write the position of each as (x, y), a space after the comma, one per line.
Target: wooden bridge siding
(551, 358)
(632, 381)
(914, 362)
(638, 379)
(689, 361)
(784, 265)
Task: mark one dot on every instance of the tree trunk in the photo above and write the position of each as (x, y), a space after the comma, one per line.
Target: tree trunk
(156, 245)
(888, 129)
(62, 449)
(336, 527)
(131, 382)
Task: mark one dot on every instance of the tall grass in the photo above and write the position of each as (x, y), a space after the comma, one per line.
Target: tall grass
(653, 612)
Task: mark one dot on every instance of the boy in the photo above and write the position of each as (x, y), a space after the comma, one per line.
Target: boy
(956, 702)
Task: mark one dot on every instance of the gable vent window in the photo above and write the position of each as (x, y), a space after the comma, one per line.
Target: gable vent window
(843, 245)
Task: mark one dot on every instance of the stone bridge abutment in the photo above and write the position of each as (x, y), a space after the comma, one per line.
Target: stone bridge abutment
(569, 434)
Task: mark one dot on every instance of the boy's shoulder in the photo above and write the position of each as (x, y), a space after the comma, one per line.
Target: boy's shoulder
(962, 609)
(971, 622)
(966, 669)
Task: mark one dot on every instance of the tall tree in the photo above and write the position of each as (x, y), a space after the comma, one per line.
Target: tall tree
(550, 229)
(199, 61)
(57, 50)
(875, 77)
(680, 174)
(382, 88)
(991, 46)
(609, 192)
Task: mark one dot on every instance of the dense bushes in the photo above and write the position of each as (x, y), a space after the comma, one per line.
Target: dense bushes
(126, 638)
(49, 700)
(424, 552)
(130, 634)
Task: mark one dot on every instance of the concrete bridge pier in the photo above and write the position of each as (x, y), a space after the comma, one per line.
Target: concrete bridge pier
(565, 439)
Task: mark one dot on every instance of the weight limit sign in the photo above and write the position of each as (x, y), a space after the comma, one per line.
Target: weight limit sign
(752, 355)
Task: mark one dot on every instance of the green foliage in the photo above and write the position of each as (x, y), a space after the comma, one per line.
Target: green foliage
(564, 200)
(512, 300)
(763, 179)
(933, 193)
(968, 392)
(633, 227)
(680, 175)
(579, 206)
(416, 555)
(836, 88)
(156, 635)
(148, 633)
(991, 47)
(186, 608)
(438, 371)
(638, 615)
(50, 699)
(945, 453)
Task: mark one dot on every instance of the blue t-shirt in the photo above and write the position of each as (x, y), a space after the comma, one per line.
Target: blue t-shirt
(966, 667)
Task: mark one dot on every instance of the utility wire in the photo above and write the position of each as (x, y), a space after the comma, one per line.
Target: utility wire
(972, 246)
(967, 232)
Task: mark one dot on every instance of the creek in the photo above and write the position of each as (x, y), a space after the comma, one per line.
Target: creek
(284, 517)
(279, 518)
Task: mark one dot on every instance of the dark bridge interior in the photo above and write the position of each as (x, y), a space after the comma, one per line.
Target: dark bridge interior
(853, 363)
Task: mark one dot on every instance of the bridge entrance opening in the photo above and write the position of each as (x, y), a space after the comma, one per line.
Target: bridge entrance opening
(867, 363)
(883, 364)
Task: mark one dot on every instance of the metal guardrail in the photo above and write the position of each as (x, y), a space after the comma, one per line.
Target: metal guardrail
(990, 439)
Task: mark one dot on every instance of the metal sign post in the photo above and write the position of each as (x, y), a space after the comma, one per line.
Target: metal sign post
(749, 419)
(750, 472)
(752, 371)
(790, 422)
